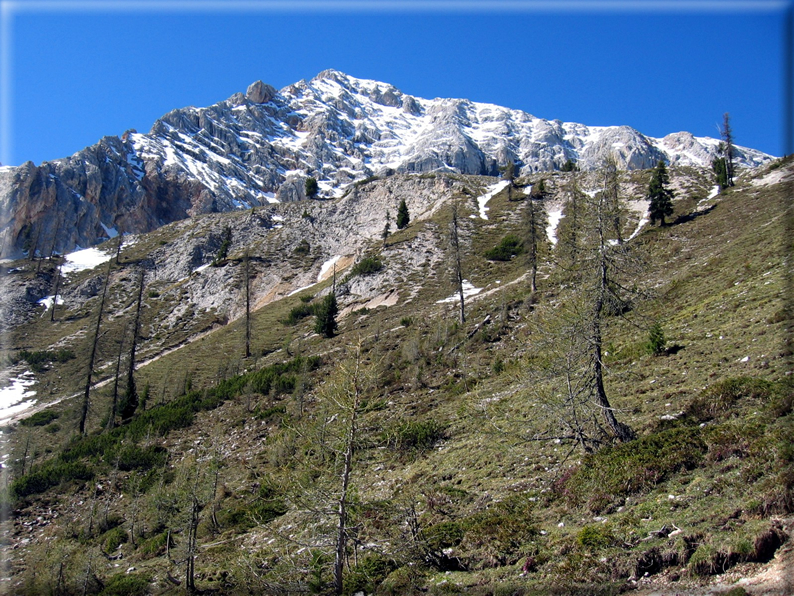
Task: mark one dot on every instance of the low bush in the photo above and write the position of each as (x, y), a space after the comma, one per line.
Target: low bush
(719, 399)
(367, 266)
(509, 247)
(126, 585)
(298, 313)
(40, 359)
(368, 574)
(47, 475)
(112, 539)
(42, 418)
(410, 435)
(633, 467)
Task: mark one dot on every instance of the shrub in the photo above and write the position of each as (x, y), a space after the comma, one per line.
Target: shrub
(38, 360)
(300, 312)
(47, 475)
(112, 539)
(595, 536)
(415, 435)
(126, 585)
(368, 574)
(133, 457)
(509, 247)
(302, 249)
(155, 545)
(367, 266)
(42, 418)
(720, 398)
(632, 467)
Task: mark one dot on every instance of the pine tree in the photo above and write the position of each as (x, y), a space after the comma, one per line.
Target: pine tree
(726, 147)
(325, 323)
(720, 172)
(403, 217)
(311, 188)
(659, 196)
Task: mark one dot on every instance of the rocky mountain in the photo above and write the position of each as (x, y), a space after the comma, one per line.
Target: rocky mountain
(259, 147)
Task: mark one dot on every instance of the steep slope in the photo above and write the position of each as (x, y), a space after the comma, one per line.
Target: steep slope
(260, 147)
(454, 488)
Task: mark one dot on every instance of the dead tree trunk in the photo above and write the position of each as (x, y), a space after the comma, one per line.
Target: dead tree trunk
(247, 307)
(92, 356)
(454, 240)
(55, 291)
(114, 400)
(130, 404)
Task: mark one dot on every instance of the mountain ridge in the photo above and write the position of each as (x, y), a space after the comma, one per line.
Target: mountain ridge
(260, 147)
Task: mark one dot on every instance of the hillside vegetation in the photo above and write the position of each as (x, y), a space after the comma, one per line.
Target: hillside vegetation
(412, 452)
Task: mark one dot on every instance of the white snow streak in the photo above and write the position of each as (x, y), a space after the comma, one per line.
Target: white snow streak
(554, 220)
(493, 190)
(84, 259)
(16, 398)
(468, 290)
(327, 267)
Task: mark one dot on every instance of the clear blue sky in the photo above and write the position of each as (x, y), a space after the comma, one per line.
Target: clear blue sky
(74, 71)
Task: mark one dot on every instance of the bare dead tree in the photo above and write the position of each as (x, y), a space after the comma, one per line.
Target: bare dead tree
(130, 402)
(246, 273)
(92, 355)
(534, 237)
(457, 266)
(55, 291)
(114, 400)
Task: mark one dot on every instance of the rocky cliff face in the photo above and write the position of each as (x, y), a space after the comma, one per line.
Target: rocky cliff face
(259, 147)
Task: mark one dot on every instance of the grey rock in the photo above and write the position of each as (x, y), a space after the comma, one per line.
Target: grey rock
(259, 92)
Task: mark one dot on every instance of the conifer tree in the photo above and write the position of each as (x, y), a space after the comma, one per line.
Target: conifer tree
(726, 147)
(403, 217)
(720, 172)
(325, 323)
(311, 188)
(659, 196)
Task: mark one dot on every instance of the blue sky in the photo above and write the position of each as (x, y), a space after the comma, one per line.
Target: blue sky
(74, 71)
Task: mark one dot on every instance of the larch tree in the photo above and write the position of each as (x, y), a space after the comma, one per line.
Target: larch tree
(247, 289)
(660, 197)
(598, 274)
(569, 233)
(601, 269)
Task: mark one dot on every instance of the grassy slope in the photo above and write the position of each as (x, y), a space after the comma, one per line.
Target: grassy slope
(486, 496)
